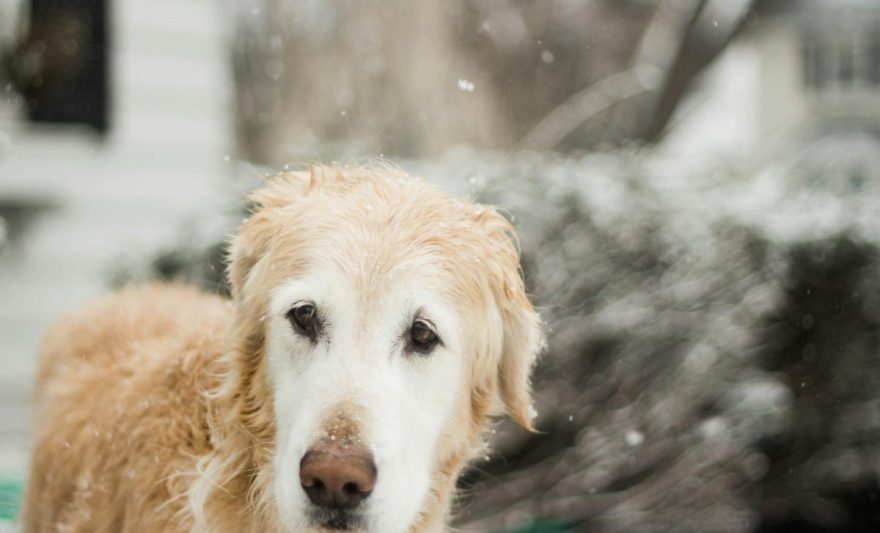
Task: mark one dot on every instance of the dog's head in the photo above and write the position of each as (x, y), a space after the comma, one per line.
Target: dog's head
(379, 324)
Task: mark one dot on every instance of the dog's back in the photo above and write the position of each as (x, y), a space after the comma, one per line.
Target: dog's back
(125, 373)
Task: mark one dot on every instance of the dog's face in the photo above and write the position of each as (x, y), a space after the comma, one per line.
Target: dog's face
(391, 319)
(370, 376)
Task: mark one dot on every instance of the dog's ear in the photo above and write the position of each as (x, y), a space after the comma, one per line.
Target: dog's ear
(247, 246)
(523, 340)
(256, 233)
(522, 328)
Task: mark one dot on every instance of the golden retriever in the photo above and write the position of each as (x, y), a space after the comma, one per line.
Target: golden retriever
(375, 326)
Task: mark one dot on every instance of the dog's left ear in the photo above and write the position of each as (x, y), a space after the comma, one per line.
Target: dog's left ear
(523, 340)
(522, 328)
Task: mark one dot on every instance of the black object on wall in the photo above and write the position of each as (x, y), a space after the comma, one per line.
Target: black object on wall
(61, 68)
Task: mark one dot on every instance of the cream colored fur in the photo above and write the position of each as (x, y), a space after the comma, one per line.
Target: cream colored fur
(162, 408)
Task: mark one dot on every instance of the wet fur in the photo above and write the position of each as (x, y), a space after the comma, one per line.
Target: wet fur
(154, 409)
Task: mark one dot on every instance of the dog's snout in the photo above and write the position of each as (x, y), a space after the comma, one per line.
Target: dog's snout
(337, 479)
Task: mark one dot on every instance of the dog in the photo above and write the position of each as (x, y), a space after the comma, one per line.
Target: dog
(375, 327)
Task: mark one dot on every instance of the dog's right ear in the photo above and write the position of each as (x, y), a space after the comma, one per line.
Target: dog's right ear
(256, 233)
(248, 245)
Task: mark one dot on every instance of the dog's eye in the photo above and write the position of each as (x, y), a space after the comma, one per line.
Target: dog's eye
(422, 338)
(304, 318)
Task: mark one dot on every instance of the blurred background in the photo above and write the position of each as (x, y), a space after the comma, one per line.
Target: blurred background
(696, 182)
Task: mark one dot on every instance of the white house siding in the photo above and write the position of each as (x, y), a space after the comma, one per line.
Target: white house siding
(722, 115)
(747, 101)
(128, 193)
(783, 107)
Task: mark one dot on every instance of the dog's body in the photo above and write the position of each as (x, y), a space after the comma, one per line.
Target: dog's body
(122, 410)
(374, 327)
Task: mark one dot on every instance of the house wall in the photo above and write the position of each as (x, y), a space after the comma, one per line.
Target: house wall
(723, 113)
(124, 195)
(754, 97)
(782, 104)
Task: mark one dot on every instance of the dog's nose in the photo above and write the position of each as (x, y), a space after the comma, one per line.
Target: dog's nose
(337, 479)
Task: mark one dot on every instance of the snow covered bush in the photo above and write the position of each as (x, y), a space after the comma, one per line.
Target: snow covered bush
(714, 358)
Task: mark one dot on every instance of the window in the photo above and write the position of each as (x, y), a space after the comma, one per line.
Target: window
(841, 60)
(61, 66)
(874, 58)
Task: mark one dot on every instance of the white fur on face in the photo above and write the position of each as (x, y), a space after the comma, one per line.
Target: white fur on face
(403, 400)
